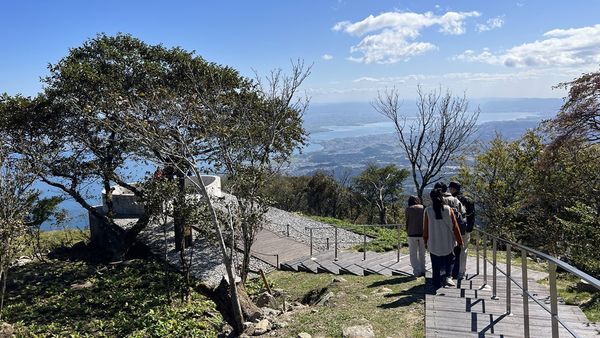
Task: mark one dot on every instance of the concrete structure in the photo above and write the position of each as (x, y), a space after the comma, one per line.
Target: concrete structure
(128, 208)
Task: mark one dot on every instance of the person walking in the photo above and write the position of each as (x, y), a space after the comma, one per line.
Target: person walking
(414, 230)
(454, 188)
(459, 211)
(441, 234)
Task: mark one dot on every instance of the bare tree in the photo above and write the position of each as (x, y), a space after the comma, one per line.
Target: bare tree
(267, 128)
(440, 131)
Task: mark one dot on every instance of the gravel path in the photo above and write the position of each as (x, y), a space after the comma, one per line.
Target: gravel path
(207, 259)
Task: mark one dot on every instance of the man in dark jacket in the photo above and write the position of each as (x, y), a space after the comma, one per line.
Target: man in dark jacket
(455, 189)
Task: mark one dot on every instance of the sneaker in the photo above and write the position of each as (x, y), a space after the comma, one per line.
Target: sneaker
(449, 282)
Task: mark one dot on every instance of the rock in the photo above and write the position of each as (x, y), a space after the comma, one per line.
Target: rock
(358, 331)
(266, 299)
(583, 285)
(81, 286)
(304, 335)
(382, 291)
(279, 325)
(262, 327)
(278, 292)
(325, 299)
(314, 310)
(339, 280)
(267, 311)
(363, 297)
(6, 330)
(23, 260)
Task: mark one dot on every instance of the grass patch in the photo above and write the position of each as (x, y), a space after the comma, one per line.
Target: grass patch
(399, 313)
(51, 240)
(382, 238)
(76, 299)
(589, 302)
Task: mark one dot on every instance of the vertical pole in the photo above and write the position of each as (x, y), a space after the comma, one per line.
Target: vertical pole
(508, 281)
(364, 243)
(277, 256)
(311, 242)
(524, 283)
(335, 255)
(398, 253)
(485, 243)
(327, 240)
(477, 239)
(494, 247)
(288, 229)
(553, 298)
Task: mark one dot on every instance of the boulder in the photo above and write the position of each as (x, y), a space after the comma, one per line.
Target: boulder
(266, 299)
(358, 331)
(304, 335)
(325, 299)
(262, 327)
(6, 330)
(339, 279)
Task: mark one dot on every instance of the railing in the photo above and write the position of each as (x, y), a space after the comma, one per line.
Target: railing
(267, 254)
(312, 238)
(484, 237)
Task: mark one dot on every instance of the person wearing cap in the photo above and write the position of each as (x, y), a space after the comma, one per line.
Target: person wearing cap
(458, 208)
(455, 189)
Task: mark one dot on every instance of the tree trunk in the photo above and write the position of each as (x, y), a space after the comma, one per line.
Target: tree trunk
(382, 216)
(222, 299)
(183, 236)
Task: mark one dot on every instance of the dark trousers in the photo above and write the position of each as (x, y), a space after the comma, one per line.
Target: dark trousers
(456, 262)
(439, 263)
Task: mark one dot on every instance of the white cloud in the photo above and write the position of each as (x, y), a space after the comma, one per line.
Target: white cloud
(327, 57)
(490, 24)
(560, 48)
(390, 37)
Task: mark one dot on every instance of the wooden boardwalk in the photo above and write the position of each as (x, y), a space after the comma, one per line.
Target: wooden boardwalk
(466, 310)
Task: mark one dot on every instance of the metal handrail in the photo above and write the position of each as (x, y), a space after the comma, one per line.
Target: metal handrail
(553, 263)
(266, 254)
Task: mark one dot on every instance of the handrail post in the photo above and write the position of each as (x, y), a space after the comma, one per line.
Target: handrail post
(524, 283)
(364, 243)
(335, 255)
(485, 244)
(553, 298)
(508, 281)
(398, 253)
(288, 229)
(327, 240)
(277, 255)
(477, 239)
(311, 242)
(494, 249)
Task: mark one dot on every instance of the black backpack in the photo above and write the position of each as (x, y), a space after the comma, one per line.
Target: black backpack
(469, 215)
(461, 220)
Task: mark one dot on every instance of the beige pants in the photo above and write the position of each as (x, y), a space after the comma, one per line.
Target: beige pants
(463, 254)
(416, 245)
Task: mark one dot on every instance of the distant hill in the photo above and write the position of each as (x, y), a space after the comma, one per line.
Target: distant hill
(353, 113)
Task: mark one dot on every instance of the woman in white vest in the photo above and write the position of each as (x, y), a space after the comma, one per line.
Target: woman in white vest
(441, 234)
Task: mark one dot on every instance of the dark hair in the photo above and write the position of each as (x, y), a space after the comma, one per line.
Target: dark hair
(441, 185)
(437, 202)
(413, 200)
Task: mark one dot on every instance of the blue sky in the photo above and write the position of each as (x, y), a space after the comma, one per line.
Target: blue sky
(486, 48)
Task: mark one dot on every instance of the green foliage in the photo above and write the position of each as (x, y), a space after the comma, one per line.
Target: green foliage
(582, 229)
(380, 186)
(125, 300)
(545, 197)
